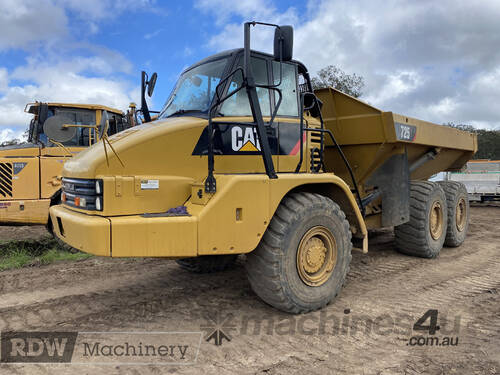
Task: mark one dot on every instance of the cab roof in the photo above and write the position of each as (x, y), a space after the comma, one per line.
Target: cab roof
(82, 106)
(235, 51)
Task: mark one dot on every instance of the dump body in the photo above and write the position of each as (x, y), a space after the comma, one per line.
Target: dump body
(387, 150)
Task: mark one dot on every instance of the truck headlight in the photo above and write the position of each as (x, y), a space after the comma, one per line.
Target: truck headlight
(98, 204)
(98, 187)
(83, 193)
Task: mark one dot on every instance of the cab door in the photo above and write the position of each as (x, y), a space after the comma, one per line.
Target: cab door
(288, 117)
(237, 145)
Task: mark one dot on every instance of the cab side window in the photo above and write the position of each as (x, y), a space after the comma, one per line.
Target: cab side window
(289, 103)
(79, 117)
(238, 104)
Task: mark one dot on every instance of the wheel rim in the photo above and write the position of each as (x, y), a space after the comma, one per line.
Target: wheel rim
(436, 220)
(316, 256)
(461, 214)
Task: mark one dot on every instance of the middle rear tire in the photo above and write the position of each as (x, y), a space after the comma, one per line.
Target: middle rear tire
(424, 234)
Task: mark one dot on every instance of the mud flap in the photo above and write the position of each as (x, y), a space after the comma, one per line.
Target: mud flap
(393, 180)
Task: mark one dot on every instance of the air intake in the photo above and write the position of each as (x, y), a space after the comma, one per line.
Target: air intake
(6, 179)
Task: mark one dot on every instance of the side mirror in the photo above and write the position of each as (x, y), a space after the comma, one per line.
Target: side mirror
(103, 126)
(283, 43)
(152, 83)
(54, 129)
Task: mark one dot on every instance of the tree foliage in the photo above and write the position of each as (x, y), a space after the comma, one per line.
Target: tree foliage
(15, 141)
(332, 76)
(488, 141)
(10, 142)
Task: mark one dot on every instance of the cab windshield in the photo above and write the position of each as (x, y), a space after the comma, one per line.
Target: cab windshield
(195, 89)
(74, 116)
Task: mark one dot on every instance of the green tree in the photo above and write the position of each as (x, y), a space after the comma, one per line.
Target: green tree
(332, 76)
(488, 141)
(10, 142)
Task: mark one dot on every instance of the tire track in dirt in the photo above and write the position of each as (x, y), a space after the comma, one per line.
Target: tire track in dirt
(59, 306)
(152, 294)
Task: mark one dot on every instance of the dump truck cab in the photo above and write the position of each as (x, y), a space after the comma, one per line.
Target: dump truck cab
(243, 160)
(30, 172)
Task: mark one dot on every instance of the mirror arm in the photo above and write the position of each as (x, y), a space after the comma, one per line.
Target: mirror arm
(60, 145)
(251, 88)
(144, 104)
(223, 81)
(253, 98)
(210, 182)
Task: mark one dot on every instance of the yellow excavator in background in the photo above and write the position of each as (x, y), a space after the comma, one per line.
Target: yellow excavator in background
(30, 172)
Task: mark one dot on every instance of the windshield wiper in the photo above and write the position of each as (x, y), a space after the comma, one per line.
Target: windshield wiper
(182, 111)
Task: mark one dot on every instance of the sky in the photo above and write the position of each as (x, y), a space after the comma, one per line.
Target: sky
(435, 60)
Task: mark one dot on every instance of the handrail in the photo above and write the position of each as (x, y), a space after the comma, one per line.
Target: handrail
(329, 132)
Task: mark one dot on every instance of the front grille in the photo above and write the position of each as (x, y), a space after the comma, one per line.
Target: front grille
(79, 186)
(6, 179)
(83, 188)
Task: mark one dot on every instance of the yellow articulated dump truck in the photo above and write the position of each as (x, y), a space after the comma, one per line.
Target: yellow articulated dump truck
(30, 173)
(245, 158)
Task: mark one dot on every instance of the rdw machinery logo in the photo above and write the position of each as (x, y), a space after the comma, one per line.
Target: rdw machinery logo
(37, 347)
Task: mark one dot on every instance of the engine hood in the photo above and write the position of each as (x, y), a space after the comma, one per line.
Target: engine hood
(23, 149)
(162, 147)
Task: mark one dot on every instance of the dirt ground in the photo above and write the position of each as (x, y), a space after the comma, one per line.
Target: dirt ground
(22, 232)
(366, 330)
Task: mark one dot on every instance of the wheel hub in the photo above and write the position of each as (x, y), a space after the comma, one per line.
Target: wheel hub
(436, 220)
(461, 214)
(316, 256)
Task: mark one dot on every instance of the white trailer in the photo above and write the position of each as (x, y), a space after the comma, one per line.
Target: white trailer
(481, 178)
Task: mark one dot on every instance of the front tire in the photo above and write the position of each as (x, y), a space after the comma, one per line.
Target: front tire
(424, 234)
(303, 258)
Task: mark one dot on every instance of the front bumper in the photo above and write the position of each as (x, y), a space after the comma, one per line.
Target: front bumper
(87, 233)
(127, 236)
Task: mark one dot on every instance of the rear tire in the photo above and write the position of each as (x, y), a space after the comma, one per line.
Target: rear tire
(207, 263)
(302, 261)
(457, 200)
(424, 234)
